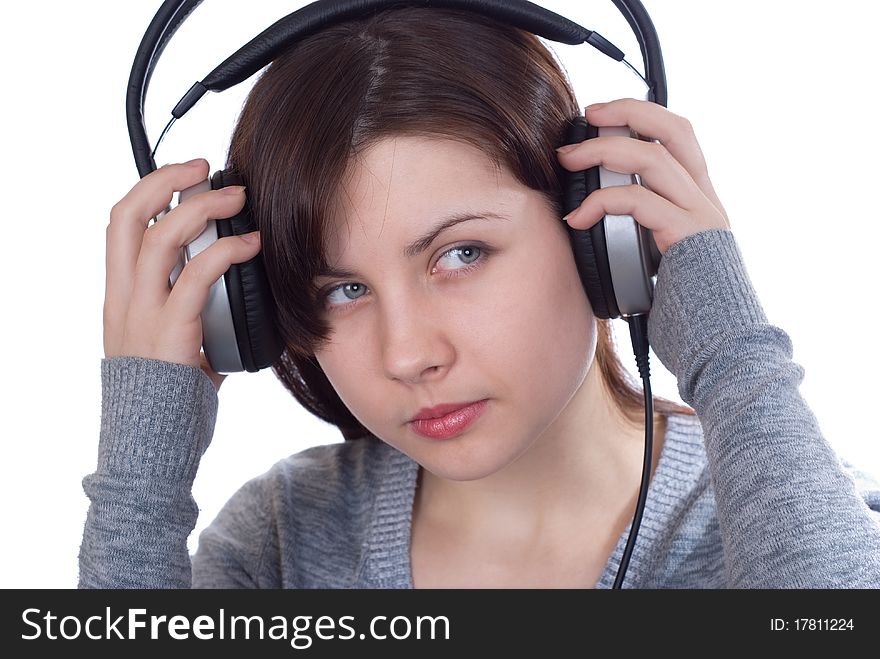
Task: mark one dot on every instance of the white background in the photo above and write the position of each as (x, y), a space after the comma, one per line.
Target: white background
(780, 95)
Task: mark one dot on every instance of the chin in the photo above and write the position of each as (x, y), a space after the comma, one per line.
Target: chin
(465, 467)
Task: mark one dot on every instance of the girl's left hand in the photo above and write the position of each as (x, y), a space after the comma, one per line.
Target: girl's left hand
(676, 198)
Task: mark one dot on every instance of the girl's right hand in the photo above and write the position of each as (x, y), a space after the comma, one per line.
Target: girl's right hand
(143, 315)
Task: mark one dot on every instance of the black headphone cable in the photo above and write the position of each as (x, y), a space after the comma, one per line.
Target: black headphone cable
(638, 331)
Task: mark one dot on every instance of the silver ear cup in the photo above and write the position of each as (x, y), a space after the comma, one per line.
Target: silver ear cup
(633, 257)
(218, 331)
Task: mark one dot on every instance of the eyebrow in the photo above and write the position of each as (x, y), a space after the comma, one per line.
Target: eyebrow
(422, 243)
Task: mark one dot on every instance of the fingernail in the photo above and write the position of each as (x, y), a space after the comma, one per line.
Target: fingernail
(194, 162)
(253, 237)
(571, 215)
(594, 107)
(233, 189)
(566, 148)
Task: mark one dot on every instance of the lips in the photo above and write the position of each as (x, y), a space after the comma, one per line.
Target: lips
(440, 410)
(450, 424)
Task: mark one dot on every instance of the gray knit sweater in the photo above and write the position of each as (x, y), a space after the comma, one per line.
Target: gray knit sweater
(748, 494)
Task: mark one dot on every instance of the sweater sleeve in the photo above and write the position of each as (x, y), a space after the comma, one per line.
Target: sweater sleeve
(790, 514)
(157, 419)
(238, 548)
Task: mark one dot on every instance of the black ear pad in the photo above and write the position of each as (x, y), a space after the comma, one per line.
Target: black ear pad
(250, 299)
(588, 246)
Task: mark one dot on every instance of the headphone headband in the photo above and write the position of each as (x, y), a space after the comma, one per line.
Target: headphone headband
(263, 48)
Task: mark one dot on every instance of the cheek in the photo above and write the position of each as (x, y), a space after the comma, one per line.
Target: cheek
(347, 376)
(544, 329)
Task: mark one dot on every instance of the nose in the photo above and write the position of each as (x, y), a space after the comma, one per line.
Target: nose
(415, 344)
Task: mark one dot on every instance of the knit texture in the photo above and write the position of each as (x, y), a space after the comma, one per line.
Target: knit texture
(747, 494)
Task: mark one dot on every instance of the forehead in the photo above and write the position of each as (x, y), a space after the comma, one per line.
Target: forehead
(406, 182)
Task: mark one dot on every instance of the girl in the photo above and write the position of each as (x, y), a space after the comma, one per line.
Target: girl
(402, 172)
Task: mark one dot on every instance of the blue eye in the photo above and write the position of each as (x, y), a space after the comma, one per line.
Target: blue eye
(473, 257)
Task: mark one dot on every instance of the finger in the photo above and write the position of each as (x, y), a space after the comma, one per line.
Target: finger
(675, 132)
(163, 241)
(190, 293)
(652, 161)
(663, 218)
(125, 232)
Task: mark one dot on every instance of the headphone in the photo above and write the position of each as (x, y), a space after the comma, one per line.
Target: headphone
(616, 258)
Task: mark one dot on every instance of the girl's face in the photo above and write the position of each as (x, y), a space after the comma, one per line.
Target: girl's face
(489, 309)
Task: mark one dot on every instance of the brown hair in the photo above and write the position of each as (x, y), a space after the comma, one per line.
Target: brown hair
(424, 72)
